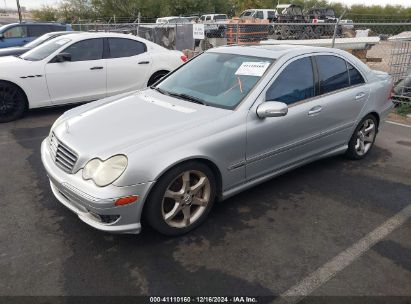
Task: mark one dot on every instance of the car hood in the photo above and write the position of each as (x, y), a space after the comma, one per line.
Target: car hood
(13, 51)
(132, 121)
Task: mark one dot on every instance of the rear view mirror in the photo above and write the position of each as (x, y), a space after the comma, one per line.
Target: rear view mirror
(272, 109)
(62, 57)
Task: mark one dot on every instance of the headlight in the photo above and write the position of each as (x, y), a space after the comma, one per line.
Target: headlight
(104, 173)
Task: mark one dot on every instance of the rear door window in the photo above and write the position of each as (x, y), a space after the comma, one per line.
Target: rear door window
(332, 73)
(295, 83)
(120, 47)
(355, 76)
(260, 15)
(38, 30)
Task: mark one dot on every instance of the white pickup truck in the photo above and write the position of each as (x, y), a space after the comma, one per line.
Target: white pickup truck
(269, 14)
(215, 24)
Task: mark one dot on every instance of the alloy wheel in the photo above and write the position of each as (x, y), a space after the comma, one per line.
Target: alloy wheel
(365, 137)
(186, 199)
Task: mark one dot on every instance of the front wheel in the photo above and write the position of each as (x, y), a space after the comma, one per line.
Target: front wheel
(363, 138)
(12, 102)
(181, 199)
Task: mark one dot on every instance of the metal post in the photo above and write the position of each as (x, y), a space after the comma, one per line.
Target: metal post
(138, 23)
(336, 26)
(19, 10)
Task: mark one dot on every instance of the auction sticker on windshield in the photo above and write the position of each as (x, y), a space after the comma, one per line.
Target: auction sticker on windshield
(252, 68)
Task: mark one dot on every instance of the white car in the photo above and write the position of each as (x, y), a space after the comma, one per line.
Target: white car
(80, 68)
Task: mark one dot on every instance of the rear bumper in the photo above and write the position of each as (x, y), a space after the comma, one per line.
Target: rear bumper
(384, 113)
(92, 204)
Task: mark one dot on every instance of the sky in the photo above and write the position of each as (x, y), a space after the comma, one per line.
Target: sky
(32, 4)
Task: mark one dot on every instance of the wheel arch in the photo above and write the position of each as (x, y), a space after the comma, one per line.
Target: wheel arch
(376, 115)
(158, 71)
(20, 88)
(209, 163)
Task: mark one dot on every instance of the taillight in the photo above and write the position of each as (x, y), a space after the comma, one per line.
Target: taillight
(184, 58)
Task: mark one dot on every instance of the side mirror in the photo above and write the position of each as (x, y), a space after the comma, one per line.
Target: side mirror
(62, 57)
(272, 109)
(1, 36)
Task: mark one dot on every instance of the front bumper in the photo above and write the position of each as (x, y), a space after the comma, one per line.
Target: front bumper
(95, 205)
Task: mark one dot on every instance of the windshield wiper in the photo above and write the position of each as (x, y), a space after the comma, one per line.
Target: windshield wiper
(180, 95)
(188, 98)
(164, 92)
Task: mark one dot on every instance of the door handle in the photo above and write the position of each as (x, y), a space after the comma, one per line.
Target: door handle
(315, 110)
(144, 62)
(96, 68)
(359, 95)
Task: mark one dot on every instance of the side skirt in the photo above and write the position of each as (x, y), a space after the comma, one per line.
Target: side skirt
(251, 183)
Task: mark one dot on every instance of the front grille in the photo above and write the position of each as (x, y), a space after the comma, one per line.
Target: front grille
(63, 156)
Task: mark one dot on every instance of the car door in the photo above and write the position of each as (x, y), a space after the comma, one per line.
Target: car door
(81, 79)
(14, 36)
(342, 94)
(277, 143)
(128, 65)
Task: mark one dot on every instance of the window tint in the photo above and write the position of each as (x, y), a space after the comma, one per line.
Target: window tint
(16, 32)
(295, 83)
(260, 15)
(120, 47)
(355, 76)
(91, 49)
(333, 74)
(57, 28)
(38, 30)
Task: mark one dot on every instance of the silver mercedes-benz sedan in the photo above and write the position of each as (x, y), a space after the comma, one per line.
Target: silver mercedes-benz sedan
(225, 121)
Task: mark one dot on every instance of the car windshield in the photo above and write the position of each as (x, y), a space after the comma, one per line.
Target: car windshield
(215, 79)
(44, 50)
(38, 41)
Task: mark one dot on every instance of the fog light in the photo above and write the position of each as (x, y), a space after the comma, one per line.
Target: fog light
(108, 219)
(126, 200)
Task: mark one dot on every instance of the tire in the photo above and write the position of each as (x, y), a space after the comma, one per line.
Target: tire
(174, 209)
(13, 102)
(156, 77)
(363, 138)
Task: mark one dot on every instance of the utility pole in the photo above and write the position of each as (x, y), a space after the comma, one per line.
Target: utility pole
(19, 10)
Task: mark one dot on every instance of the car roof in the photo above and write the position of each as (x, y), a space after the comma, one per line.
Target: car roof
(271, 51)
(37, 23)
(82, 35)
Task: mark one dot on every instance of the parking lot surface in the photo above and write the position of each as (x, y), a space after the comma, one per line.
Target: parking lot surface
(261, 242)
